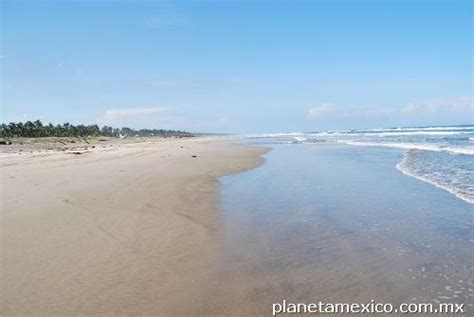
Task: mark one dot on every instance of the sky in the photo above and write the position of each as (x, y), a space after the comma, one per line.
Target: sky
(238, 66)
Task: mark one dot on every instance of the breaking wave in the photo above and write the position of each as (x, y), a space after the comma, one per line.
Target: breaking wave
(441, 156)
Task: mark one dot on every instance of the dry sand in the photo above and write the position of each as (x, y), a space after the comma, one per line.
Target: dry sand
(121, 229)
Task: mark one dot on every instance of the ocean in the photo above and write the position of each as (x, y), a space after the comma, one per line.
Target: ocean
(348, 216)
(442, 156)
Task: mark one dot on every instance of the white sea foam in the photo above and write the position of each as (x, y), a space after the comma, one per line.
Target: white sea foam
(326, 134)
(300, 138)
(274, 135)
(393, 132)
(440, 156)
(415, 146)
(417, 133)
(468, 127)
(404, 167)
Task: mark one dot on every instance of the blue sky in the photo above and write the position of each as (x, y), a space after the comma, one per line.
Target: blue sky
(238, 66)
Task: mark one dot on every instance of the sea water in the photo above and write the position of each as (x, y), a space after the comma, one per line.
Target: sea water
(441, 156)
(349, 216)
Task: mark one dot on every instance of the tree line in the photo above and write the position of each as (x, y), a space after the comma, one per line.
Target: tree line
(35, 129)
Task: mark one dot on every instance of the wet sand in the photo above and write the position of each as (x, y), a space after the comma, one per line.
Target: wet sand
(120, 229)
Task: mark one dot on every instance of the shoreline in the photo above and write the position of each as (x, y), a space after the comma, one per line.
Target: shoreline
(117, 230)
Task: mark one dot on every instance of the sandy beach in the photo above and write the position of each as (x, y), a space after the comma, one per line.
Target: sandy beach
(112, 228)
(236, 158)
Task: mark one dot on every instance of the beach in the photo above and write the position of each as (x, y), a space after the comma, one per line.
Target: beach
(236, 158)
(200, 227)
(111, 228)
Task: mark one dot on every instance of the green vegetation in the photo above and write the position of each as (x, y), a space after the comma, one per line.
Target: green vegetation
(37, 129)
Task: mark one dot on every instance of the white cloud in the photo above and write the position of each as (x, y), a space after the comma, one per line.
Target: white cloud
(135, 117)
(319, 111)
(461, 104)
